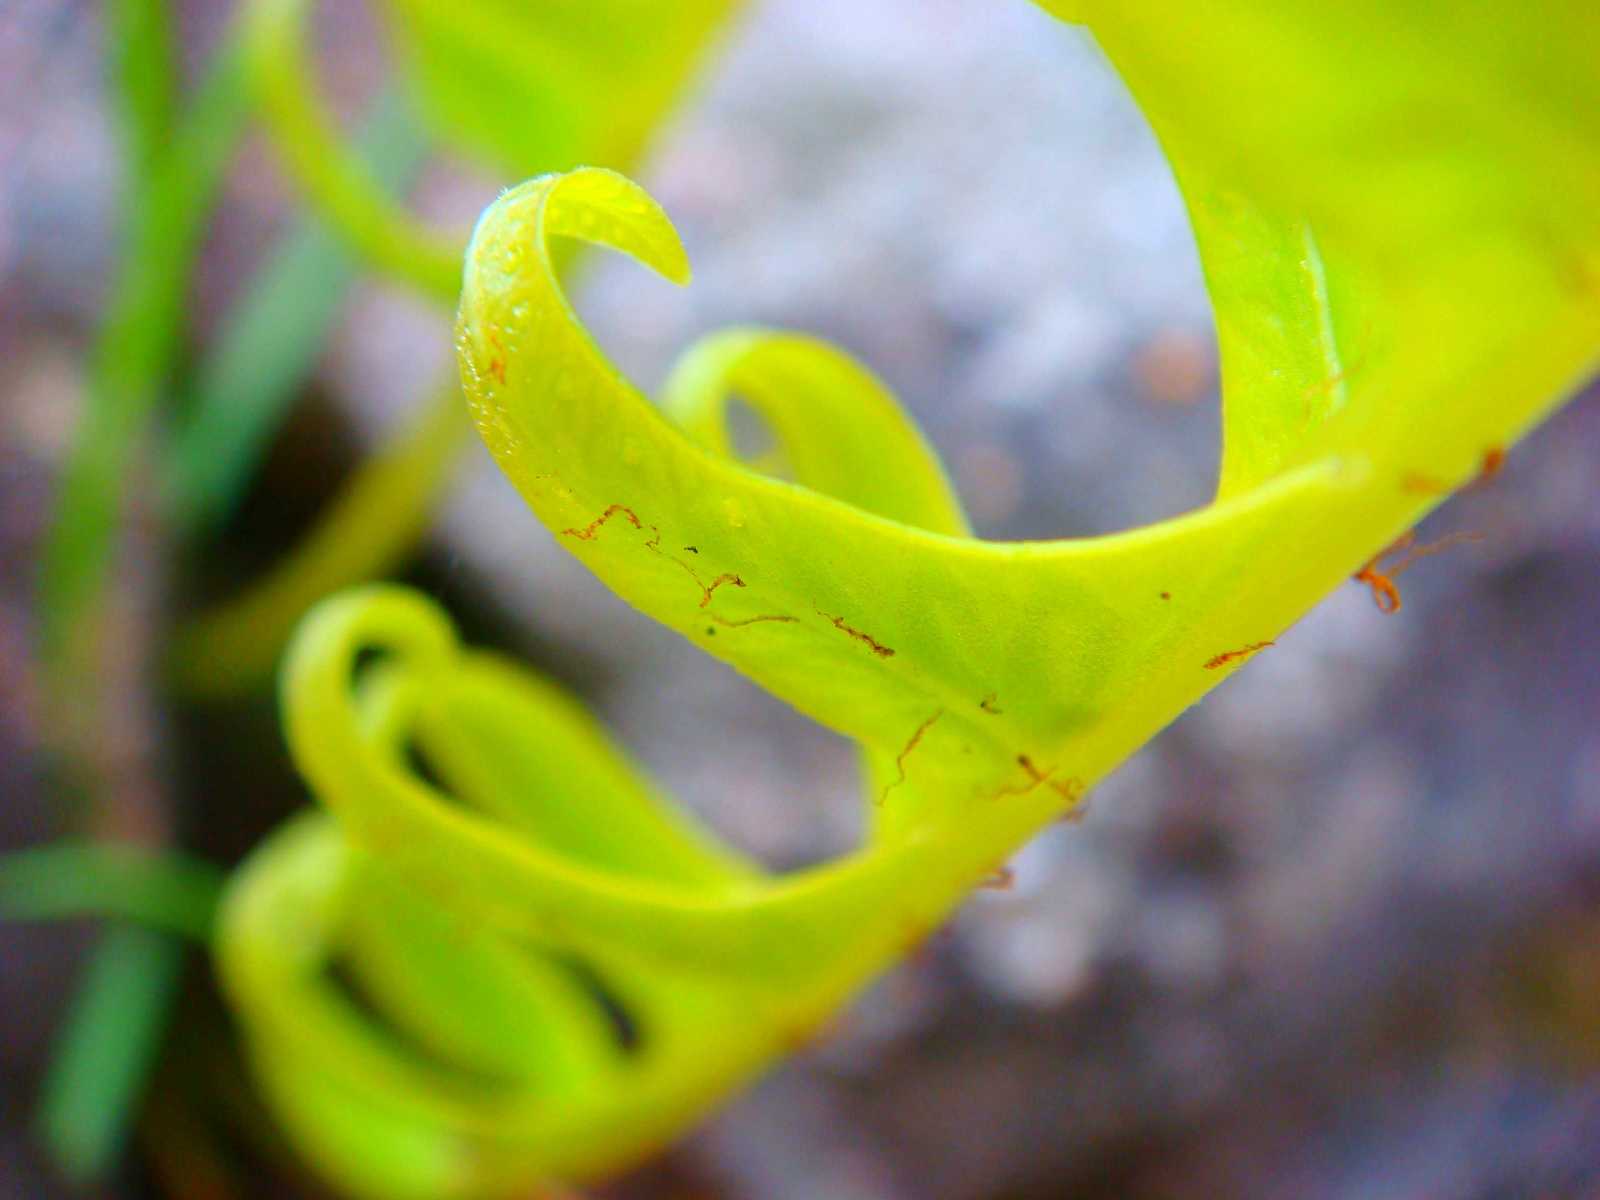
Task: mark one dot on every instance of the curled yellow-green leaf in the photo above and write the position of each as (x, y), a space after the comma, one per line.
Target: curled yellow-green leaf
(1397, 300)
(1003, 663)
(495, 915)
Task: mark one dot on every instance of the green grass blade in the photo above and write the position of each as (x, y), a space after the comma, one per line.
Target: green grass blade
(384, 233)
(105, 1049)
(118, 1014)
(140, 38)
(165, 890)
(114, 1027)
(271, 343)
(132, 359)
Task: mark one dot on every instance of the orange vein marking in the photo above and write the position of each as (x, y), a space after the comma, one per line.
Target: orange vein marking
(1418, 484)
(1385, 594)
(866, 639)
(715, 584)
(1071, 790)
(905, 752)
(588, 532)
(1001, 879)
(497, 363)
(1035, 778)
(1228, 656)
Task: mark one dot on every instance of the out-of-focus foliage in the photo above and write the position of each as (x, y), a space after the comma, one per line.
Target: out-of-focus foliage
(165, 891)
(558, 81)
(269, 343)
(529, 87)
(178, 149)
(500, 1064)
(175, 164)
(1394, 207)
(175, 171)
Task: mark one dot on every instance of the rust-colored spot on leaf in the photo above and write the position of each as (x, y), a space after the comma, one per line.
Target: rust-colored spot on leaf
(726, 577)
(917, 942)
(588, 532)
(865, 639)
(1415, 482)
(1035, 778)
(1418, 484)
(741, 623)
(654, 546)
(497, 361)
(990, 704)
(1001, 879)
(1322, 387)
(1072, 791)
(808, 1034)
(1380, 578)
(1494, 458)
(1230, 656)
(1384, 592)
(912, 743)
(1071, 788)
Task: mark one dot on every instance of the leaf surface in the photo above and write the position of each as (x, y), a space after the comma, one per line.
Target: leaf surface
(1394, 210)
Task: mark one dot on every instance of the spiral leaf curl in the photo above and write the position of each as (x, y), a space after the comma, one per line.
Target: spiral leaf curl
(1397, 313)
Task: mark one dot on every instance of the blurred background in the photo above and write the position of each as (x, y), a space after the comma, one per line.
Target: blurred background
(1336, 933)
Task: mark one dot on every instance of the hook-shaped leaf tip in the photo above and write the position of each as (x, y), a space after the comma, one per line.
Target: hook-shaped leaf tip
(519, 343)
(590, 204)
